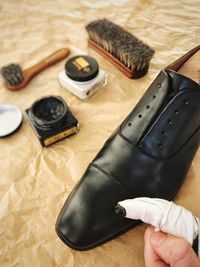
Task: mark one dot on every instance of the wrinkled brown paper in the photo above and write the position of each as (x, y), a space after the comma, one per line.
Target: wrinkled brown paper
(35, 181)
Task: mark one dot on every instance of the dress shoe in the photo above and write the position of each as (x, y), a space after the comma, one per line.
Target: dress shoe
(149, 155)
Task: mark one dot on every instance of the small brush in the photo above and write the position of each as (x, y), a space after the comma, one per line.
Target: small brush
(16, 79)
(124, 50)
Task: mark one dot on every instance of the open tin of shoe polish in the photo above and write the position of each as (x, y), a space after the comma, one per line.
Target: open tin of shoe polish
(52, 120)
(82, 76)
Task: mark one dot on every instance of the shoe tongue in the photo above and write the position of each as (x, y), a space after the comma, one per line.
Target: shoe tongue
(180, 82)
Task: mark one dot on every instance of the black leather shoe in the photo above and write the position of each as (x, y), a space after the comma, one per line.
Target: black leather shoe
(148, 156)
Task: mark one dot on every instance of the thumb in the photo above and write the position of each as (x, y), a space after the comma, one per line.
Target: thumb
(174, 251)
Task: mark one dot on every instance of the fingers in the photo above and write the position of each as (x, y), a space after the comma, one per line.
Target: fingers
(164, 215)
(174, 251)
(151, 258)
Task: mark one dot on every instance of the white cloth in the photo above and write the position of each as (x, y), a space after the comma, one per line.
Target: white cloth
(165, 216)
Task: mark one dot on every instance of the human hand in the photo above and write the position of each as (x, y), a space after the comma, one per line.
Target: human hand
(165, 216)
(173, 246)
(162, 250)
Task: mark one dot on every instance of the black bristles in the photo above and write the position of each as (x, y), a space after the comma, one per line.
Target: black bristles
(124, 46)
(13, 74)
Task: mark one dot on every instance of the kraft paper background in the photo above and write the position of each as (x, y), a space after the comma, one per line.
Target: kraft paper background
(35, 181)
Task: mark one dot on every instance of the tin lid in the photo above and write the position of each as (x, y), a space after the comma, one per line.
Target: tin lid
(10, 119)
(81, 68)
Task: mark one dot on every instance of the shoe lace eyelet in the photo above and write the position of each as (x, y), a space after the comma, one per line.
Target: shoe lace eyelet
(147, 106)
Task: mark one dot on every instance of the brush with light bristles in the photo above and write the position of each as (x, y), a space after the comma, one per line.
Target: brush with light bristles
(124, 50)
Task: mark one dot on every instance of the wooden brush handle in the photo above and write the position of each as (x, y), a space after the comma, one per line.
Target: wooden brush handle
(45, 63)
(125, 70)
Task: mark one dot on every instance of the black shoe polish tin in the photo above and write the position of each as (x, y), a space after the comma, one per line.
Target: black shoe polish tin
(51, 120)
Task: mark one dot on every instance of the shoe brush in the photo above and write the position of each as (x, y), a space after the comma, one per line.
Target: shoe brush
(121, 48)
(15, 78)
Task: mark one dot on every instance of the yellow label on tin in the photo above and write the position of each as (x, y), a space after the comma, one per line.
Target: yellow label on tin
(82, 64)
(50, 140)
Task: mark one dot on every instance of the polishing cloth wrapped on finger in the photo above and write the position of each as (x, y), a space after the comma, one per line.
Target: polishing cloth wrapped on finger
(164, 216)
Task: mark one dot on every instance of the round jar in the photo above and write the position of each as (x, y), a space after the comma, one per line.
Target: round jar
(82, 76)
(49, 112)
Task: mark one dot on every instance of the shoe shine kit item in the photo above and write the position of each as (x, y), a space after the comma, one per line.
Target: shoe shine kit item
(51, 120)
(10, 119)
(82, 76)
(129, 54)
(15, 78)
